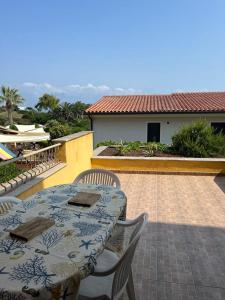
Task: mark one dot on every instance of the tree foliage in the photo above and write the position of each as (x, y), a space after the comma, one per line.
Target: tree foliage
(13, 127)
(70, 112)
(47, 102)
(11, 98)
(59, 118)
(199, 140)
(57, 129)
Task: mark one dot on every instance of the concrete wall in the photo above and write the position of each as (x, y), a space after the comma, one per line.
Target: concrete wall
(76, 152)
(134, 127)
(76, 155)
(213, 166)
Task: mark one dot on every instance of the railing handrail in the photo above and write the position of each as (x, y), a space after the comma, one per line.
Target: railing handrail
(3, 163)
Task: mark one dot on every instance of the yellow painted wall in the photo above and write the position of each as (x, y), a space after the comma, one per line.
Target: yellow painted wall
(76, 153)
(127, 164)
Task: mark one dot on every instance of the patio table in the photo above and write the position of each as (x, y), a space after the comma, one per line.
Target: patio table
(51, 265)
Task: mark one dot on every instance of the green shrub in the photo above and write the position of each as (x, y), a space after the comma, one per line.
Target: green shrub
(162, 147)
(199, 140)
(13, 127)
(2, 121)
(8, 172)
(151, 148)
(156, 146)
(133, 146)
(36, 116)
(122, 149)
(106, 143)
(75, 129)
(125, 147)
(57, 129)
(44, 144)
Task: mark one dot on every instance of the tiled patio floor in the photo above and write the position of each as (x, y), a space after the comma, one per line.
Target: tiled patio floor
(182, 252)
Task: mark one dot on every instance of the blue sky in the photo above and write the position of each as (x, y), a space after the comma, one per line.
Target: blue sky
(89, 48)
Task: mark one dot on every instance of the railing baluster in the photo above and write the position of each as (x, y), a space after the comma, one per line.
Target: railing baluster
(29, 165)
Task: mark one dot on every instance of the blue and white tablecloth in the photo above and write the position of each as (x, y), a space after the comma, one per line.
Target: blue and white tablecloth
(51, 265)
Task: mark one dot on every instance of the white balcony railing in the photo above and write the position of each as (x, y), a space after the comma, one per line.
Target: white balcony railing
(19, 170)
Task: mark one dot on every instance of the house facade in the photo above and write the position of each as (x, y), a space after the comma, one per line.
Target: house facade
(153, 117)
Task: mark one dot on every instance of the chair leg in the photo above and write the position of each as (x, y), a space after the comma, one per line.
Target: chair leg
(130, 287)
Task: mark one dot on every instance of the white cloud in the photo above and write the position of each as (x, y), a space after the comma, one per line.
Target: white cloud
(103, 88)
(88, 93)
(73, 86)
(76, 89)
(89, 86)
(119, 90)
(41, 87)
(30, 84)
(47, 86)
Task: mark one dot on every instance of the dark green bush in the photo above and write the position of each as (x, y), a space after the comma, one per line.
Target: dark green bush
(75, 129)
(2, 121)
(199, 140)
(133, 146)
(8, 172)
(13, 127)
(126, 147)
(44, 144)
(57, 129)
(162, 147)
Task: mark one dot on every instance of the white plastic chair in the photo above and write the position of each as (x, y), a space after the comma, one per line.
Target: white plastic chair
(7, 202)
(98, 176)
(112, 274)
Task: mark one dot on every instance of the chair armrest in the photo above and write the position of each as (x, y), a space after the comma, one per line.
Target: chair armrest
(130, 222)
(106, 263)
(101, 274)
(126, 223)
(106, 272)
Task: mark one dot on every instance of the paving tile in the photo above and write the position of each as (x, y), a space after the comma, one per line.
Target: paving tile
(181, 253)
(208, 293)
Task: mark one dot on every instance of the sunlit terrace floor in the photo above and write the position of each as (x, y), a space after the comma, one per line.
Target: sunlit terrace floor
(182, 252)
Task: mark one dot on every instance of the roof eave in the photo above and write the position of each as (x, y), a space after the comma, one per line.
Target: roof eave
(157, 113)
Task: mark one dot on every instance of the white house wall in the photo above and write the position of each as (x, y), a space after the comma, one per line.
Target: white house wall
(134, 127)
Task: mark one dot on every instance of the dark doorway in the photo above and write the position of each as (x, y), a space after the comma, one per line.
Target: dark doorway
(153, 134)
(219, 127)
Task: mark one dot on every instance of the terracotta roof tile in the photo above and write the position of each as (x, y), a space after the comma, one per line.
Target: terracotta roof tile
(178, 102)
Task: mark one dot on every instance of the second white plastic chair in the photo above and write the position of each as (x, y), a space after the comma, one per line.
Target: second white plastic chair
(7, 202)
(112, 275)
(98, 176)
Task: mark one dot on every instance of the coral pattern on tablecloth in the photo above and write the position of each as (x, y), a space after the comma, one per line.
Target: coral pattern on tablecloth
(51, 265)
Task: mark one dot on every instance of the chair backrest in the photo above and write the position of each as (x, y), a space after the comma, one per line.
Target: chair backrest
(6, 203)
(98, 176)
(123, 267)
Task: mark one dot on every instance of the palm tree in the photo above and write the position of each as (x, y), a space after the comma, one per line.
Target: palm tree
(47, 102)
(11, 97)
(63, 112)
(79, 109)
(66, 111)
